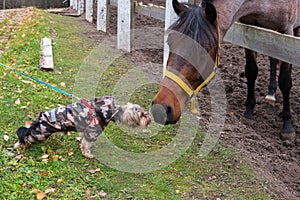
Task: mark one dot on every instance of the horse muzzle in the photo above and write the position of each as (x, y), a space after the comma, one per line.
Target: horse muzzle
(163, 114)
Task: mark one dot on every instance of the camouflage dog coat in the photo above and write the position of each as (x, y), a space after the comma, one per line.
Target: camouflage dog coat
(89, 117)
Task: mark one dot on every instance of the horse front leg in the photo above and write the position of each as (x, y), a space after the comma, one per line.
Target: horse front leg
(251, 71)
(285, 85)
(272, 84)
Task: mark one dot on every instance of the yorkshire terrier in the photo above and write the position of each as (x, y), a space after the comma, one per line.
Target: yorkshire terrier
(88, 117)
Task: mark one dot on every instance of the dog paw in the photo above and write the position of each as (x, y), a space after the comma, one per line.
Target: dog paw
(88, 155)
(18, 146)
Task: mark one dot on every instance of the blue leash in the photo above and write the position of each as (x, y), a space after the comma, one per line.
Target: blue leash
(41, 82)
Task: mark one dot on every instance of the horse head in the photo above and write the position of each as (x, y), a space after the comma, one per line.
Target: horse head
(194, 42)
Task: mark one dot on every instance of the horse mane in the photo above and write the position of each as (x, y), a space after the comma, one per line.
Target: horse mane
(193, 24)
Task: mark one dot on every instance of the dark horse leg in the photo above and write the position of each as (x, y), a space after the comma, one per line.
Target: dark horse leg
(272, 84)
(285, 85)
(251, 71)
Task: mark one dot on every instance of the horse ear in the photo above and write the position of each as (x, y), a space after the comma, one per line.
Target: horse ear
(210, 12)
(178, 7)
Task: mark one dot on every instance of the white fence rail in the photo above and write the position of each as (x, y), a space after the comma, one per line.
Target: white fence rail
(271, 43)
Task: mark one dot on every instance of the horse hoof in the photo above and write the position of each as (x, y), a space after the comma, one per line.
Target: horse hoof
(271, 99)
(249, 114)
(288, 139)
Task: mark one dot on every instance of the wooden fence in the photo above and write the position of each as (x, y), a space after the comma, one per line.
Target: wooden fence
(271, 43)
(9, 4)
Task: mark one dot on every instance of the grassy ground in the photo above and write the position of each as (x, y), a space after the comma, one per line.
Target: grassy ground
(55, 169)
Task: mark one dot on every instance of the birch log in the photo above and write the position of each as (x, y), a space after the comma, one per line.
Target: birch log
(46, 58)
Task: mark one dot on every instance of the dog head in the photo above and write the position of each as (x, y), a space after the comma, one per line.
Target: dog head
(133, 115)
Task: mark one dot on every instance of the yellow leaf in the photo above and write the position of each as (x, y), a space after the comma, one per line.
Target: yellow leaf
(59, 180)
(40, 195)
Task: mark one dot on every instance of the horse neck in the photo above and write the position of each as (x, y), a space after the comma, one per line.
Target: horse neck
(227, 10)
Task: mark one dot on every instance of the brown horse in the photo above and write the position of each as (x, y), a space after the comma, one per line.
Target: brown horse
(205, 27)
(273, 64)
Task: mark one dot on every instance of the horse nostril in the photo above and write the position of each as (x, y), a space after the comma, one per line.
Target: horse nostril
(169, 110)
(153, 102)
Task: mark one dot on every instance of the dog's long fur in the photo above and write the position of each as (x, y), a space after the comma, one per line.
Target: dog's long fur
(89, 118)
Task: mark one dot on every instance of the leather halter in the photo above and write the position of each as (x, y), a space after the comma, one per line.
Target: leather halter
(190, 91)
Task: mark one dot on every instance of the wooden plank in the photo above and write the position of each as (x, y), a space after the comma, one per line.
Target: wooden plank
(150, 10)
(102, 15)
(89, 10)
(46, 58)
(125, 16)
(271, 43)
(113, 3)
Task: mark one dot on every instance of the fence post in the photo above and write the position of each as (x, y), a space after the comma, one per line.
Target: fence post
(80, 6)
(89, 10)
(102, 15)
(170, 18)
(125, 14)
(75, 3)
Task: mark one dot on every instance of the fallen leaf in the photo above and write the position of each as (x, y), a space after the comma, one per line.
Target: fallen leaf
(88, 191)
(92, 197)
(93, 171)
(59, 180)
(17, 102)
(34, 191)
(45, 156)
(102, 193)
(27, 82)
(40, 195)
(6, 137)
(44, 173)
(19, 156)
(49, 190)
(70, 153)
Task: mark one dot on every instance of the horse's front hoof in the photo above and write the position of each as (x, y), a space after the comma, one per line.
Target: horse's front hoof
(249, 114)
(288, 134)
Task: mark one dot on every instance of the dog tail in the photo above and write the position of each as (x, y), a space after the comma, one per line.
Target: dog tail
(22, 133)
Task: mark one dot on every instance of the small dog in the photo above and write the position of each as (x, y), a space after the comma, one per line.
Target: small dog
(89, 118)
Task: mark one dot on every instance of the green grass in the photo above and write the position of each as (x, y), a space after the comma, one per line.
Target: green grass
(221, 174)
